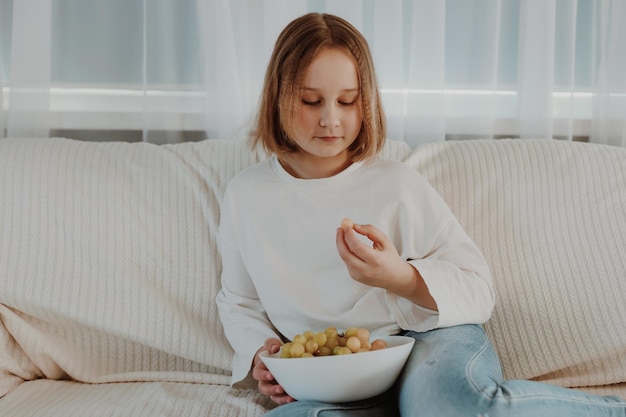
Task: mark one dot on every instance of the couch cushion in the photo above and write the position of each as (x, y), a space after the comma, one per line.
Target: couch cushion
(108, 260)
(550, 217)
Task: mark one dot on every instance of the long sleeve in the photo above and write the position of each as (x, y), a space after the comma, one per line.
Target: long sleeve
(452, 266)
(464, 296)
(245, 322)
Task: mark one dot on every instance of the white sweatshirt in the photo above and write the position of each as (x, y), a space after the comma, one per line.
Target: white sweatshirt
(282, 273)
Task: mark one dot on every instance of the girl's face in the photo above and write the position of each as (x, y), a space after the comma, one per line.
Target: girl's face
(329, 119)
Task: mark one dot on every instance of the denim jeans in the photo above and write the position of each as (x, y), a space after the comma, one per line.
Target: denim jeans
(455, 372)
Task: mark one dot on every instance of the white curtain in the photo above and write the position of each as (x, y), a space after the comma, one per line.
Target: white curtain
(175, 70)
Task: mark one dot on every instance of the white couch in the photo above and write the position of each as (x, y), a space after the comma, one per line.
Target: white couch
(109, 268)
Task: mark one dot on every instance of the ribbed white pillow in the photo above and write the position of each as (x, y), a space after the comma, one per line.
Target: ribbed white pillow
(108, 262)
(550, 217)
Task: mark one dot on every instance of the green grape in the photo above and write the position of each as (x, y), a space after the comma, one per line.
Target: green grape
(324, 351)
(351, 331)
(311, 346)
(331, 332)
(285, 350)
(320, 338)
(297, 350)
(300, 338)
(363, 334)
(342, 350)
(378, 344)
(331, 342)
(353, 343)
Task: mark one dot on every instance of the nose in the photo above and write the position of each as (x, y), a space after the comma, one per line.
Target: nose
(329, 117)
(329, 122)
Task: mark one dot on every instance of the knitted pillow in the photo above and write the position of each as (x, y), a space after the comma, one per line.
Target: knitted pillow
(550, 217)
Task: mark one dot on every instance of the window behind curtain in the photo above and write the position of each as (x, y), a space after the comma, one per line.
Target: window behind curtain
(126, 56)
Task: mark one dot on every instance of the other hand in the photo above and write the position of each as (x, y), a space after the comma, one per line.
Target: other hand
(266, 383)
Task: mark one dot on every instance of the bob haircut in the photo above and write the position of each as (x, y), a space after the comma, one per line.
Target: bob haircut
(296, 47)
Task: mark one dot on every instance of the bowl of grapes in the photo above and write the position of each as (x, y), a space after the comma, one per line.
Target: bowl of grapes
(337, 366)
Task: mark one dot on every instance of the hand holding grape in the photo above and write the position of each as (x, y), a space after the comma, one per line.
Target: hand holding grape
(380, 265)
(266, 383)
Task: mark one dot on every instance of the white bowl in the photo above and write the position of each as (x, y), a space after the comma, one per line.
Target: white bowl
(341, 378)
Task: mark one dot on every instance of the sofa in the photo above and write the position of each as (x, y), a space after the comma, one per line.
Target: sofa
(109, 268)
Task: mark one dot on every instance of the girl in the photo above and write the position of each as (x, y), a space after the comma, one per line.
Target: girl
(406, 266)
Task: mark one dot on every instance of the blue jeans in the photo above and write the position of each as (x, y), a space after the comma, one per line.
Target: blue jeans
(455, 372)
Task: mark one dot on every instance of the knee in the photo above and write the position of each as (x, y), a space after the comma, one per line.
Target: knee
(454, 372)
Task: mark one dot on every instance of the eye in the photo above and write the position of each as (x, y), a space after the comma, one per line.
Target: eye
(350, 100)
(310, 102)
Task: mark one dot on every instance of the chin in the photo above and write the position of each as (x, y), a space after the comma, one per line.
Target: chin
(329, 151)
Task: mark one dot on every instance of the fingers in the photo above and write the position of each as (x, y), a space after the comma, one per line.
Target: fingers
(348, 242)
(281, 399)
(273, 390)
(378, 238)
(267, 385)
(342, 247)
(270, 388)
(272, 345)
(261, 373)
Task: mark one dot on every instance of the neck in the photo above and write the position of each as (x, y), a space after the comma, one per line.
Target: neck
(307, 168)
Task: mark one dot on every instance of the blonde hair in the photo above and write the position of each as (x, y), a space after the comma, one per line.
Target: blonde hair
(296, 47)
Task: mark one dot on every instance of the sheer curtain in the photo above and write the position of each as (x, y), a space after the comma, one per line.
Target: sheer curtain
(174, 70)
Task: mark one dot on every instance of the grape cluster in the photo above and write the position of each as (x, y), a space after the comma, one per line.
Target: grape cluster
(331, 342)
